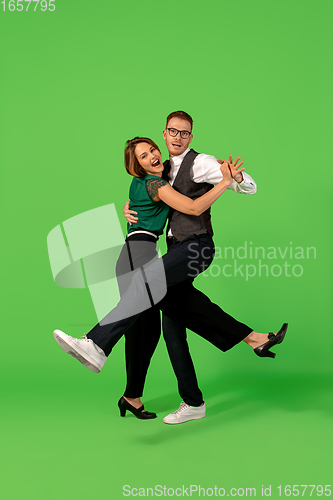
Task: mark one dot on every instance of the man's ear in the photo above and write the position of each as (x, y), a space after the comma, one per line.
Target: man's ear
(191, 138)
(164, 134)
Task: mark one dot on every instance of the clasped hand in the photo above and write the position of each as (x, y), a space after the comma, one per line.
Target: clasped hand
(230, 170)
(235, 172)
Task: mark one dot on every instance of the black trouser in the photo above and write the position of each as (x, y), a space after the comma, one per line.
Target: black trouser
(184, 306)
(140, 343)
(142, 337)
(173, 268)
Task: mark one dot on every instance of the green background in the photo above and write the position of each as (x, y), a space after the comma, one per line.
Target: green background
(76, 84)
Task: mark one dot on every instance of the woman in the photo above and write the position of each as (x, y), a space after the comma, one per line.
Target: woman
(151, 196)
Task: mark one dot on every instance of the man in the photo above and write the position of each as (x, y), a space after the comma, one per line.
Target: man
(192, 174)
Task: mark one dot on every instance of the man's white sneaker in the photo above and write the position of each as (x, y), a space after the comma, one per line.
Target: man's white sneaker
(84, 350)
(185, 413)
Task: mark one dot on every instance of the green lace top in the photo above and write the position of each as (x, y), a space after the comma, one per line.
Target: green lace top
(152, 215)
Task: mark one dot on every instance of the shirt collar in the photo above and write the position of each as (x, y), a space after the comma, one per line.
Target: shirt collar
(176, 160)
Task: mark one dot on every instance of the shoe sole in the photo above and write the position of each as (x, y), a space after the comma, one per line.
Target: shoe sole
(183, 421)
(68, 346)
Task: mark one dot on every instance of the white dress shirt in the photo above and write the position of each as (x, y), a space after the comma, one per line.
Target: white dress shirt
(206, 168)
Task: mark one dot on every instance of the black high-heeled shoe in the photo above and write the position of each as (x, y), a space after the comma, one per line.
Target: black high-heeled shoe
(263, 350)
(138, 412)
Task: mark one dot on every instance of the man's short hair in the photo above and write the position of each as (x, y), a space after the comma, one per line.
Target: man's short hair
(179, 114)
(132, 165)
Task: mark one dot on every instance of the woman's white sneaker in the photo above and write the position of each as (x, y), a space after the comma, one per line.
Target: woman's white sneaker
(185, 413)
(84, 350)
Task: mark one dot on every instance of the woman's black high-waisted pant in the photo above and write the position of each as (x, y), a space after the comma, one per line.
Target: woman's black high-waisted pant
(142, 337)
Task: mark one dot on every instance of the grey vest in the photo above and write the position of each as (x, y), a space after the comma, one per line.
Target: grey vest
(183, 225)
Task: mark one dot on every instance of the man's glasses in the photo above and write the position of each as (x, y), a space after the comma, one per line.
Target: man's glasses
(184, 134)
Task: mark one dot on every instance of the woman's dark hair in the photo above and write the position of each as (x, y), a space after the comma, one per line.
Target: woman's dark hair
(132, 165)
